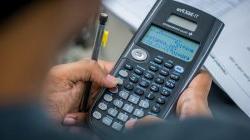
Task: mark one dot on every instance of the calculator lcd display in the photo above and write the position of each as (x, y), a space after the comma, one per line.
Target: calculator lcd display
(186, 24)
(170, 43)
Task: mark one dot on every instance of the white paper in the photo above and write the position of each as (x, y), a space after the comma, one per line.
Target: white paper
(228, 62)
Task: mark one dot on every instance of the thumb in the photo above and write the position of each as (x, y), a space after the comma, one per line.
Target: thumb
(75, 119)
(146, 120)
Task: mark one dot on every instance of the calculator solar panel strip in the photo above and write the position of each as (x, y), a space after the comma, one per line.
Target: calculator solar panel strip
(158, 64)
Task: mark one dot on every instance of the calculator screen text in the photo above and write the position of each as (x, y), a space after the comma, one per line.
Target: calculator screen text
(170, 43)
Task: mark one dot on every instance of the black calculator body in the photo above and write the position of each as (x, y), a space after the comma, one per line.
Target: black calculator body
(158, 64)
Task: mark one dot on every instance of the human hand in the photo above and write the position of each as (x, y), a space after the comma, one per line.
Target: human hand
(192, 103)
(65, 86)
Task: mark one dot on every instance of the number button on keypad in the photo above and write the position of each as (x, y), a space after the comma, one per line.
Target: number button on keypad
(107, 120)
(122, 117)
(113, 112)
(133, 99)
(117, 126)
(129, 86)
(124, 95)
(144, 104)
(138, 113)
(128, 108)
(103, 106)
(97, 115)
(118, 103)
(108, 98)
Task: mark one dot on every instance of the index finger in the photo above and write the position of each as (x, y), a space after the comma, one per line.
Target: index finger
(106, 65)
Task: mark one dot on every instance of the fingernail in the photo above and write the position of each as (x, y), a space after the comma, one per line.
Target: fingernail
(130, 123)
(69, 121)
(111, 79)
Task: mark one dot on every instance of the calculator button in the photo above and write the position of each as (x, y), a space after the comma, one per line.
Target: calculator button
(107, 121)
(128, 67)
(139, 91)
(165, 93)
(124, 95)
(153, 68)
(133, 79)
(158, 60)
(122, 117)
(129, 86)
(128, 108)
(156, 109)
(139, 54)
(159, 80)
(114, 90)
(164, 73)
(138, 71)
(144, 104)
(118, 103)
(170, 84)
(123, 73)
(144, 84)
(97, 115)
(148, 76)
(150, 96)
(117, 126)
(103, 106)
(113, 112)
(169, 65)
(108, 98)
(179, 69)
(138, 113)
(133, 99)
(174, 77)
(154, 88)
(119, 81)
(161, 100)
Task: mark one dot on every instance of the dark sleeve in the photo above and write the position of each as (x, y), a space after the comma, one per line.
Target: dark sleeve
(196, 129)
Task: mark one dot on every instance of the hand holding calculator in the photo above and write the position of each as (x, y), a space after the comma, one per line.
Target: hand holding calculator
(156, 67)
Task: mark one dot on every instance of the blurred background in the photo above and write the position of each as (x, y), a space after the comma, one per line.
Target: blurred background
(81, 47)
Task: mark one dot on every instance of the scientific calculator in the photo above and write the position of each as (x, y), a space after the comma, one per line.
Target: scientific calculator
(158, 64)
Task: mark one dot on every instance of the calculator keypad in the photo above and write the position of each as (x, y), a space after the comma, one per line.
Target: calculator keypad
(142, 90)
